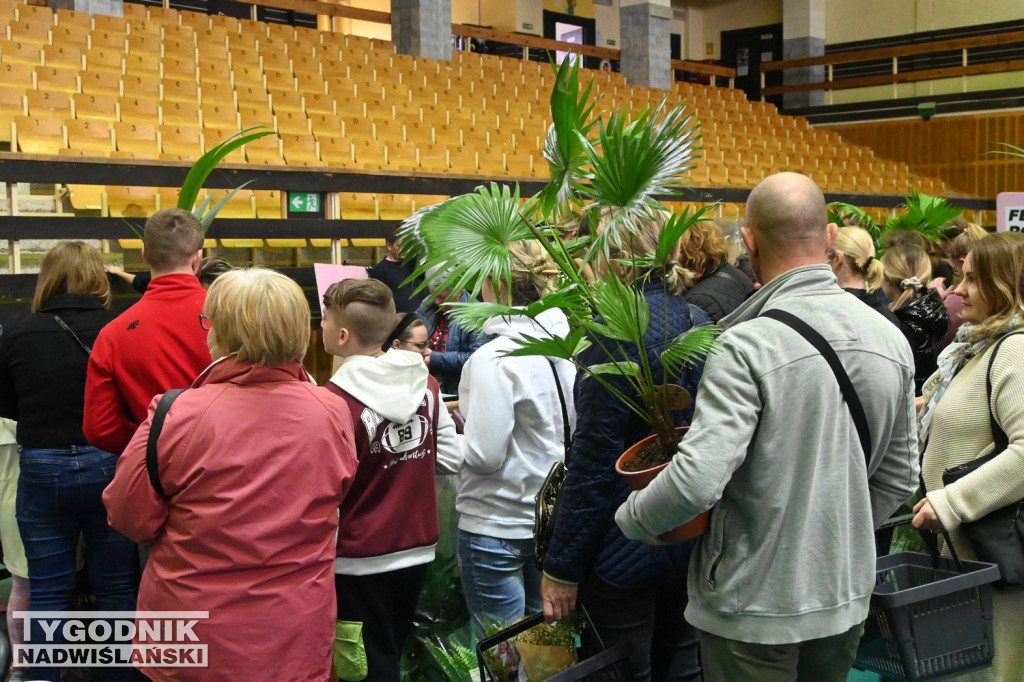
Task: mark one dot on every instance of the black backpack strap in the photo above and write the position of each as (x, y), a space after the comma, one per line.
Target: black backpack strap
(998, 435)
(154, 435)
(805, 330)
(565, 413)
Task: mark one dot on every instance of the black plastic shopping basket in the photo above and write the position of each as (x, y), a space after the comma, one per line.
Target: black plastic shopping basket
(930, 617)
(607, 665)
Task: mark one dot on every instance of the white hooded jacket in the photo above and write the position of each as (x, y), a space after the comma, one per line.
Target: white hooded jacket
(514, 429)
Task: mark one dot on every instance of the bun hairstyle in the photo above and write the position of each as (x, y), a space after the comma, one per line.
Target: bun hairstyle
(534, 273)
(909, 269)
(858, 250)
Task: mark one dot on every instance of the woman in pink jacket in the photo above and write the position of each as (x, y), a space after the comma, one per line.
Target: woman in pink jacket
(254, 461)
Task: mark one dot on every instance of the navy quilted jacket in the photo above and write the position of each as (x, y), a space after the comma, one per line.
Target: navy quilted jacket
(586, 537)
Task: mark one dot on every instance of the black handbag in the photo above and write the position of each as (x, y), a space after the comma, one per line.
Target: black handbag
(997, 537)
(546, 502)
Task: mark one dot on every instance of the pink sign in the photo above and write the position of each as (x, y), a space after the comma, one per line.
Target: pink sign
(327, 274)
(1010, 212)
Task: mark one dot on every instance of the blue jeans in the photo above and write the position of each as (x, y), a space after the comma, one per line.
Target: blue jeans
(59, 500)
(499, 578)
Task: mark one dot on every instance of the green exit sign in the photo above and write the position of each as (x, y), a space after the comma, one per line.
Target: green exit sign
(303, 202)
(527, 27)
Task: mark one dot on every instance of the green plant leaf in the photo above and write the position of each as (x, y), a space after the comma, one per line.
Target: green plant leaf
(202, 168)
(1011, 150)
(564, 347)
(674, 229)
(689, 348)
(472, 315)
(839, 212)
(623, 310)
(571, 112)
(624, 369)
(207, 214)
(924, 213)
(469, 236)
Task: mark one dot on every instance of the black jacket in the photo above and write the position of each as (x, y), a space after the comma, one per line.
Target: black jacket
(720, 292)
(42, 370)
(924, 321)
(875, 301)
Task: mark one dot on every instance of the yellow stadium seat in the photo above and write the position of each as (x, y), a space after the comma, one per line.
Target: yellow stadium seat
(336, 151)
(104, 59)
(22, 52)
(274, 59)
(179, 32)
(401, 156)
(268, 203)
(319, 103)
(251, 94)
(57, 79)
(325, 125)
(29, 32)
(215, 136)
(229, 24)
(89, 135)
(358, 206)
(109, 39)
(40, 14)
(278, 79)
(70, 35)
(388, 130)
(185, 114)
(12, 104)
(180, 68)
(141, 63)
(370, 154)
(305, 63)
(213, 45)
(129, 155)
(179, 90)
(299, 148)
(421, 200)
(130, 202)
(255, 116)
(292, 123)
(179, 48)
(104, 83)
(18, 75)
(217, 93)
(141, 109)
(244, 55)
(133, 11)
(86, 197)
(48, 103)
(196, 20)
(181, 140)
(240, 205)
(222, 116)
(140, 28)
(143, 43)
(394, 206)
(132, 136)
(105, 22)
(357, 127)
(433, 158)
(213, 71)
(310, 83)
(265, 150)
(286, 100)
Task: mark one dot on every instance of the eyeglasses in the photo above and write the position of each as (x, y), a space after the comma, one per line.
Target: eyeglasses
(204, 322)
(421, 346)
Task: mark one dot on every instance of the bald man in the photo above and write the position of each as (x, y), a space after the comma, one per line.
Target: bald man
(779, 586)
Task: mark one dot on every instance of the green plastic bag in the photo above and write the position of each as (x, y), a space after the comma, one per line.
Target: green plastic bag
(349, 651)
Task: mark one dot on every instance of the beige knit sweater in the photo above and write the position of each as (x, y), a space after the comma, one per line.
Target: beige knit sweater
(960, 433)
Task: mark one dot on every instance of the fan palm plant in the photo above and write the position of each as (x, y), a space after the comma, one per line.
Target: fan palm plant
(611, 170)
(924, 213)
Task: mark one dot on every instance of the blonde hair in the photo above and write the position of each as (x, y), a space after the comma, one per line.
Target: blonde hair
(998, 262)
(702, 248)
(258, 315)
(909, 269)
(642, 241)
(858, 251)
(534, 273)
(71, 268)
(365, 307)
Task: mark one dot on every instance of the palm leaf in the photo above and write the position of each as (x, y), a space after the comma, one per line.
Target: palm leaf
(472, 315)
(564, 347)
(623, 311)
(469, 237)
(839, 212)
(207, 214)
(571, 111)
(1011, 150)
(674, 229)
(625, 368)
(202, 168)
(924, 213)
(689, 348)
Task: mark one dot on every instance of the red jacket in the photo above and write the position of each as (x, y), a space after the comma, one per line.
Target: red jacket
(156, 345)
(255, 462)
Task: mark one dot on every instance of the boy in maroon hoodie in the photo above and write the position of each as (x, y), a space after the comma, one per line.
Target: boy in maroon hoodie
(388, 520)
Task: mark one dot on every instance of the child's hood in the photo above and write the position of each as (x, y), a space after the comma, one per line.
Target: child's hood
(392, 384)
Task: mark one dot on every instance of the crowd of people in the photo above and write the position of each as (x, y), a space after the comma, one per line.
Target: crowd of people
(304, 518)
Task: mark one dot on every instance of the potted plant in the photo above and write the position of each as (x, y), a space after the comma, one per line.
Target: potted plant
(924, 213)
(610, 170)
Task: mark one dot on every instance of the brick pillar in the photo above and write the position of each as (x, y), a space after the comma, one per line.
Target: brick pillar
(803, 35)
(646, 51)
(422, 28)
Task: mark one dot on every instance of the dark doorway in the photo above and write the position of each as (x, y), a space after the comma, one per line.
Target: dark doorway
(572, 29)
(745, 49)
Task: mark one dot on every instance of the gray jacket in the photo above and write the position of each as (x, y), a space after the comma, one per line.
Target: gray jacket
(790, 554)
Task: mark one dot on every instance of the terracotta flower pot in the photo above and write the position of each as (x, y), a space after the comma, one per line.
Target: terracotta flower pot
(638, 480)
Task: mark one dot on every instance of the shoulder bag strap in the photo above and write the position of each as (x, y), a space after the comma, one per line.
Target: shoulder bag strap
(998, 435)
(565, 412)
(65, 327)
(154, 434)
(805, 330)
